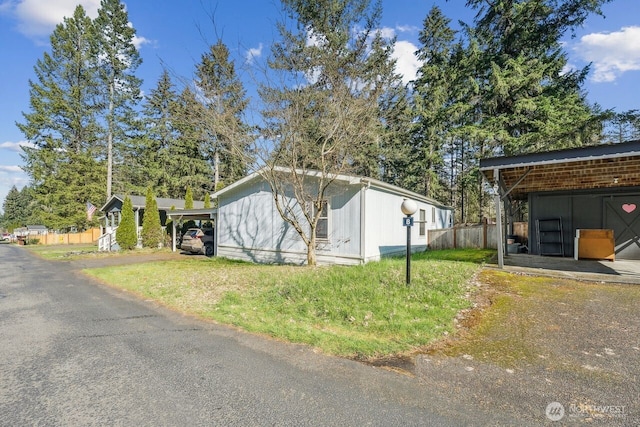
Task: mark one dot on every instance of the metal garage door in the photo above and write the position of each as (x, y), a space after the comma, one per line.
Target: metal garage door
(622, 214)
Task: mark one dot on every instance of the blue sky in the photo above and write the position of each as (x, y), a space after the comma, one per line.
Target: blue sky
(175, 34)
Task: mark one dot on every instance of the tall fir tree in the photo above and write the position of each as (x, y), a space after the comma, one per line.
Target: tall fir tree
(15, 208)
(192, 167)
(118, 60)
(431, 101)
(64, 164)
(226, 136)
(529, 103)
(157, 162)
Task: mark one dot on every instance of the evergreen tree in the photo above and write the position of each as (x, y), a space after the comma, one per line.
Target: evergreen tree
(65, 166)
(622, 127)
(389, 158)
(188, 199)
(528, 102)
(431, 103)
(151, 228)
(207, 201)
(15, 208)
(127, 235)
(192, 167)
(226, 136)
(119, 60)
(157, 162)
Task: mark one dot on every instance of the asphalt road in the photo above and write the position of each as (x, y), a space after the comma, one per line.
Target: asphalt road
(75, 352)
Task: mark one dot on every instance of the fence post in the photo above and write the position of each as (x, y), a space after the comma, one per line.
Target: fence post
(484, 233)
(455, 238)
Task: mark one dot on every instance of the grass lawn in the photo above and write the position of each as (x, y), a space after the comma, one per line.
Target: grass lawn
(359, 312)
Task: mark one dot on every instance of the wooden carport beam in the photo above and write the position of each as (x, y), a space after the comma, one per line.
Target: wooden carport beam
(524, 175)
(498, 199)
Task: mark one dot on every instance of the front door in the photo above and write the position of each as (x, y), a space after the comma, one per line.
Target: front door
(622, 215)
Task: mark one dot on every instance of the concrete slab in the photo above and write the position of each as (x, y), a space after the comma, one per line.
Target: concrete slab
(619, 271)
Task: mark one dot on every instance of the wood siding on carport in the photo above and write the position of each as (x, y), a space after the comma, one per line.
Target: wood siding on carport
(590, 209)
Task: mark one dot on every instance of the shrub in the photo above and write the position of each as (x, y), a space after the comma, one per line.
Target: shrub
(126, 236)
(151, 229)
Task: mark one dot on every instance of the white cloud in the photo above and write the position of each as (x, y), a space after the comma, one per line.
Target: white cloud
(10, 168)
(15, 146)
(407, 29)
(254, 52)
(39, 17)
(387, 33)
(407, 63)
(611, 53)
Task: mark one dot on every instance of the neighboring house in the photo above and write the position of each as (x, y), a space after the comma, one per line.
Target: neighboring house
(363, 222)
(31, 230)
(113, 215)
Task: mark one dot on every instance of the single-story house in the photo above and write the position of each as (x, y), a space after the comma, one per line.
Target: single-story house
(363, 222)
(31, 230)
(113, 215)
(568, 191)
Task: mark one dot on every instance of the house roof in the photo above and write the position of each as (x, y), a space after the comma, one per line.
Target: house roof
(593, 167)
(347, 179)
(139, 202)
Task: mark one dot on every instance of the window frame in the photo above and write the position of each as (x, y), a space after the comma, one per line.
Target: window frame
(325, 206)
(423, 221)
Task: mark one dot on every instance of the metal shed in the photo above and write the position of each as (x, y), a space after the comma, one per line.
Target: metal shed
(594, 187)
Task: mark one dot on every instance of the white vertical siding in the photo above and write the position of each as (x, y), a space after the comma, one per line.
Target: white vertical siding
(250, 227)
(385, 234)
(344, 222)
(248, 219)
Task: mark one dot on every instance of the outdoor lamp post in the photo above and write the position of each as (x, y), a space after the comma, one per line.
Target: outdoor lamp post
(409, 207)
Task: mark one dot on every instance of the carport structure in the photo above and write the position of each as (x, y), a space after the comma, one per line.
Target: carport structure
(178, 216)
(594, 187)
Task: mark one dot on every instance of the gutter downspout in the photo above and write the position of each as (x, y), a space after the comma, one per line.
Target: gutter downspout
(363, 203)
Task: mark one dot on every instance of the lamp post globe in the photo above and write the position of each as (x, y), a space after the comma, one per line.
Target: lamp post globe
(409, 207)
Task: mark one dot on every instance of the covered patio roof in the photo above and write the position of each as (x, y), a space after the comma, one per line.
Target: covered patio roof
(584, 168)
(593, 167)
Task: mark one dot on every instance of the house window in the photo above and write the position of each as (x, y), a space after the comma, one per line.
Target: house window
(423, 220)
(433, 214)
(322, 229)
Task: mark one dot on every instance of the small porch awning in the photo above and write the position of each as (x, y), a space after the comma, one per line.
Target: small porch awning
(593, 167)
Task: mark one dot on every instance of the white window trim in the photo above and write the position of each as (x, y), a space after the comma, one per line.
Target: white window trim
(328, 218)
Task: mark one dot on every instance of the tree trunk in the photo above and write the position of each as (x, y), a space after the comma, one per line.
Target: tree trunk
(311, 250)
(216, 170)
(110, 141)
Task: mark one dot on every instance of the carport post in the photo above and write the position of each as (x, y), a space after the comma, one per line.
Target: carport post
(173, 236)
(498, 198)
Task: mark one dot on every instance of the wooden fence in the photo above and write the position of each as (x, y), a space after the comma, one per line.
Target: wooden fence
(89, 236)
(481, 236)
